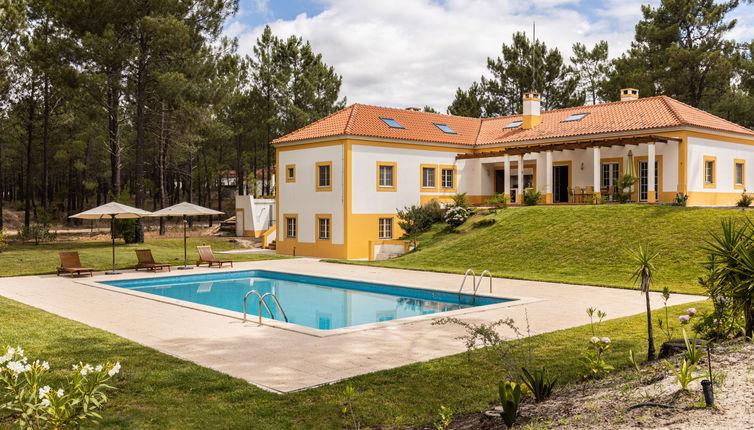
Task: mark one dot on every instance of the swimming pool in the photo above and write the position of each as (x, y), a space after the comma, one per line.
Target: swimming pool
(311, 301)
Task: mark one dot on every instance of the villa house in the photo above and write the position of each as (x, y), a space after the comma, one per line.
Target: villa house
(342, 178)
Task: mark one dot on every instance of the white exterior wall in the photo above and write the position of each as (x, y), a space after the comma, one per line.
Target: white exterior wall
(365, 197)
(300, 197)
(725, 152)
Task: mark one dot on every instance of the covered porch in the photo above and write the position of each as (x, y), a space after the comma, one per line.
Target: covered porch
(580, 172)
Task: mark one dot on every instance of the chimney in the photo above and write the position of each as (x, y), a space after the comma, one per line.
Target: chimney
(532, 116)
(413, 109)
(629, 94)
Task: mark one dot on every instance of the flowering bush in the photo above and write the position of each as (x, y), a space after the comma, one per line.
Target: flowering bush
(722, 323)
(36, 405)
(456, 215)
(596, 366)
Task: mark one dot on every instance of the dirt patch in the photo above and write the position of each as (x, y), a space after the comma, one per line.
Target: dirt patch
(605, 403)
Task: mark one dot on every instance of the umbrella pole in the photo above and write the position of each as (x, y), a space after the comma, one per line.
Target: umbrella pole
(112, 237)
(185, 258)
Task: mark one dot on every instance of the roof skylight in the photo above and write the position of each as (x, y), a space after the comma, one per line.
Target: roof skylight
(445, 128)
(576, 117)
(514, 124)
(391, 123)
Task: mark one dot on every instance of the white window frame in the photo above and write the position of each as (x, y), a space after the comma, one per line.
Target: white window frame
(427, 177)
(327, 228)
(385, 228)
(328, 177)
(709, 172)
(384, 176)
(291, 227)
(443, 179)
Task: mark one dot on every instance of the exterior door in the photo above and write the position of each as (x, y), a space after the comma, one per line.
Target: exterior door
(560, 184)
(644, 181)
(499, 184)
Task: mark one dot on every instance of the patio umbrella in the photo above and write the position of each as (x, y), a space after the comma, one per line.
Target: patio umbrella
(185, 209)
(112, 211)
(630, 168)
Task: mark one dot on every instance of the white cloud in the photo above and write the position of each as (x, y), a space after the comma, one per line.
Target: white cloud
(415, 52)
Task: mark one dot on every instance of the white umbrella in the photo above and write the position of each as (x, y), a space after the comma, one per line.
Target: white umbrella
(112, 211)
(185, 209)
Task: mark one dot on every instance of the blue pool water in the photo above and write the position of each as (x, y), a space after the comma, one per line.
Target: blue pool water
(321, 303)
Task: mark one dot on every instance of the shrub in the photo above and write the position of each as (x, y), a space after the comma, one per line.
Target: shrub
(435, 211)
(34, 404)
(625, 182)
(455, 216)
(414, 220)
(685, 372)
(745, 200)
(510, 398)
(460, 200)
(500, 201)
(126, 228)
(3, 239)
(483, 223)
(531, 196)
(539, 383)
(36, 232)
(680, 199)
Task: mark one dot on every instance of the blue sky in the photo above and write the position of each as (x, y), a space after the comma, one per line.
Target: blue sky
(417, 52)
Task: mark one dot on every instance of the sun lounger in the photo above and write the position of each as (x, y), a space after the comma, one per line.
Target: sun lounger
(146, 261)
(206, 257)
(70, 263)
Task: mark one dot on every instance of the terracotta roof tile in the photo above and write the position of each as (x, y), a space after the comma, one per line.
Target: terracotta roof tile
(625, 116)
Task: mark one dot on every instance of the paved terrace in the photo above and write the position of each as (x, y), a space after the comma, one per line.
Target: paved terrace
(283, 360)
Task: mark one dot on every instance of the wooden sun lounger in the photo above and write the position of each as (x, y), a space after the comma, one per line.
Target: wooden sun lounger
(206, 257)
(70, 263)
(146, 261)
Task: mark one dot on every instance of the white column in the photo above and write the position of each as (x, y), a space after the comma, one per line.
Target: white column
(548, 177)
(520, 174)
(596, 165)
(507, 176)
(651, 186)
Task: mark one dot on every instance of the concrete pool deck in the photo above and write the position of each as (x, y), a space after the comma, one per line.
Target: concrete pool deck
(283, 360)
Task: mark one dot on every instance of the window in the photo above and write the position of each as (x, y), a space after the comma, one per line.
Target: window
(429, 177)
(290, 173)
(444, 128)
(739, 173)
(386, 228)
(386, 176)
(709, 172)
(447, 178)
(291, 227)
(575, 117)
(391, 123)
(323, 227)
(324, 176)
(514, 124)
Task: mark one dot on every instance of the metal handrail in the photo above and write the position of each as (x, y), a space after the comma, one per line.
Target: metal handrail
(473, 280)
(261, 302)
(481, 278)
(260, 306)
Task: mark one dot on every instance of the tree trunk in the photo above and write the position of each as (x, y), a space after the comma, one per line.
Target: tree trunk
(113, 132)
(141, 96)
(2, 187)
(161, 166)
(650, 331)
(27, 182)
(190, 183)
(45, 143)
(239, 167)
(749, 318)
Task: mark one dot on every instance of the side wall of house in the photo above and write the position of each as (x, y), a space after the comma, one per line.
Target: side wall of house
(299, 198)
(724, 153)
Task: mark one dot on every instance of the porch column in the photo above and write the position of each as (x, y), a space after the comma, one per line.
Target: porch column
(548, 177)
(651, 186)
(596, 165)
(520, 166)
(507, 176)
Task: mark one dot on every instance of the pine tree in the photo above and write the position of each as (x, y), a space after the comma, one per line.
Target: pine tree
(592, 66)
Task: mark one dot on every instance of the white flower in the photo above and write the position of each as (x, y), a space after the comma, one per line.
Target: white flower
(18, 367)
(684, 319)
(84, 371)
(45, 402)
(114, 370)
(605, 340)
(19, 351)
(43, 391)
(75, 366)
(594, 339)
(691, 311)
(45, 365)
(61, 393)
(98, 368)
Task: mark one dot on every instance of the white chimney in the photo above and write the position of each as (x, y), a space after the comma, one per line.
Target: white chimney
(629, 94)
(413, 109)
(532, 110)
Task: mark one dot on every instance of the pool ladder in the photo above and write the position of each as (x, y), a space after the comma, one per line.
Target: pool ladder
(262, 302)
(474, 283)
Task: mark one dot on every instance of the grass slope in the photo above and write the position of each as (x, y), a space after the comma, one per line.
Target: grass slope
(574, 244)
(158, 391)
(28, 259)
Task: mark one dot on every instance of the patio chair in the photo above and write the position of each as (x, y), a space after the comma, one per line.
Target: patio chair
(206, 257)
(70, 263)
(146, 261)
(578, 195)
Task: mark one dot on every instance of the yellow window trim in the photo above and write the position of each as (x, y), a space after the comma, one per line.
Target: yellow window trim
(316, 176)
(285, 226)
(317, 217)
(288, 168)
(713, 159)
(395, 175)
(741, 186)
(455, 179)
(421, 177)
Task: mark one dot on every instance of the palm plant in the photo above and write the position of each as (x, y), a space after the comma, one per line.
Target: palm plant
(731, 264)
(643, 259)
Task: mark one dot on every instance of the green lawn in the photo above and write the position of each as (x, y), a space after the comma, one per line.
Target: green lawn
(28, 259)
(158, 391)
(574, 244)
